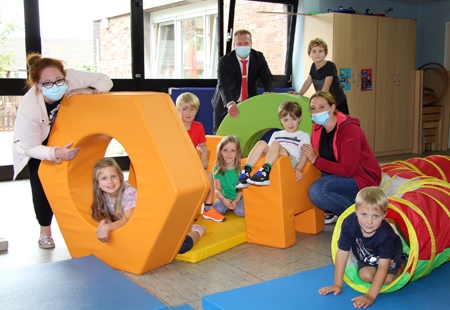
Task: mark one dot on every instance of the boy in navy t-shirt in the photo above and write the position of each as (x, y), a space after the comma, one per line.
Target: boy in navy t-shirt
(377, 248)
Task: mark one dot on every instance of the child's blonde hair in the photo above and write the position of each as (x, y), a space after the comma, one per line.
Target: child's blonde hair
(99, 208)
(220, 163)
(188, 99)
(291, 108)
(318, 42)
(373, 196)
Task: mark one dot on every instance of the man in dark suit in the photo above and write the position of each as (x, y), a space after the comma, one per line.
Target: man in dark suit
(230, 74)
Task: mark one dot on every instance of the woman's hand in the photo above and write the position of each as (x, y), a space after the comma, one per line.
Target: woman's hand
(75, 91)
(308, 150)
(66, 152)
(103, 231)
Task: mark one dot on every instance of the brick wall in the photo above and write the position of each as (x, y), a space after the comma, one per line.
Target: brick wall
(115, 48)
(269, 31)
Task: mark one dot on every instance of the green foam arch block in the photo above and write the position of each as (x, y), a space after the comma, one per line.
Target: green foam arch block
(259, 114)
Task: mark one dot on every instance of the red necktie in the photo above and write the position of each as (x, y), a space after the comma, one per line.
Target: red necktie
(244, 94)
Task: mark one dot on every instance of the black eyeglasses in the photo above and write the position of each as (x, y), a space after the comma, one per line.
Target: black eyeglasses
(50, 84)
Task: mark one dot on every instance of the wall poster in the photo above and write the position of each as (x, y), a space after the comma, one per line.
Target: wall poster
(366, 79)
(345, 78)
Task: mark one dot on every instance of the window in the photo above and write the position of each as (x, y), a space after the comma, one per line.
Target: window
(269, 31)
(94, 36)
(8, 108)
(182, 41)
(165, 55)
(12, 40)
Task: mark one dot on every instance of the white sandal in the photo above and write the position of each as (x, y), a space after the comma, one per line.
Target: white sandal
(46, 242)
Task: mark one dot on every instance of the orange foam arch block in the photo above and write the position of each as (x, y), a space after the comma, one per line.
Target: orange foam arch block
(274, 213)
(165, 169)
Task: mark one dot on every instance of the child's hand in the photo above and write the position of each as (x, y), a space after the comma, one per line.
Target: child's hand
(227, 203)
(204, 161)
(298, 175)
(103, 231)
(308, 150)
(362, 301)
(293, 92)
(330, 289)
(232, 205)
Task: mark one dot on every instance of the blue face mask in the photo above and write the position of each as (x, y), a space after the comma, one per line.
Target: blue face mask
(243, 51)
(56, 92)
(320, 118)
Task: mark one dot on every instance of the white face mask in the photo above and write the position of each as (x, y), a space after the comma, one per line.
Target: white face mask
(243, 51)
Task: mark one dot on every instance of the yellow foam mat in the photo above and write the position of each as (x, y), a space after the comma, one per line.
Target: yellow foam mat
(218, 237)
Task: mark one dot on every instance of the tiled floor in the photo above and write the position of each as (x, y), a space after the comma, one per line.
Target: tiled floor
(176, 283)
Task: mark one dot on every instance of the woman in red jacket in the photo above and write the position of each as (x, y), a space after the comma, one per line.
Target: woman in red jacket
(345, 157)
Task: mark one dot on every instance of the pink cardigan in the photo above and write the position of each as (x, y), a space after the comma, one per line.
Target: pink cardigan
(32, 125)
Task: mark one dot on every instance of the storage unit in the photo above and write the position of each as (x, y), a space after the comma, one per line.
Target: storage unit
(384, 49)
(431, 124)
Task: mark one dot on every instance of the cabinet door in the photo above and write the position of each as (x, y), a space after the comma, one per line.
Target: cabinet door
(366, 58)
(386, 135)
(344, 49)
(404, 100)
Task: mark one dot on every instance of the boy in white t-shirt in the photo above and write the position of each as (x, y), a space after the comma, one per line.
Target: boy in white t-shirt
(284, 142)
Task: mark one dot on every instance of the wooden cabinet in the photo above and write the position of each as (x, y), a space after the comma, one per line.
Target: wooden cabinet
(386, 46)
(395, 80)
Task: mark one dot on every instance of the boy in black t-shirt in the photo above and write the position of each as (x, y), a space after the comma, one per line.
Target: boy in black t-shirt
(377, 248)
(323, 74)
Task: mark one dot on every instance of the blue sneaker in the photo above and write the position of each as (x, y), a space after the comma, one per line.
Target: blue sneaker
(242, 182)
(260, 178)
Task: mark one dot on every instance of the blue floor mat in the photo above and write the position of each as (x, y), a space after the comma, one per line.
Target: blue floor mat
(80, 283)
(300, 291)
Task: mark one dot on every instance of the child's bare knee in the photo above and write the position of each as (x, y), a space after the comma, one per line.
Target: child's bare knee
(261, 143)
(367, 275)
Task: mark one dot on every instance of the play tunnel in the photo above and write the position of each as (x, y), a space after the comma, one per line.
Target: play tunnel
(419, 210)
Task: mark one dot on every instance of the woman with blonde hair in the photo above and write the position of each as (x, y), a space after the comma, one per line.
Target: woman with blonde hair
(341, 151)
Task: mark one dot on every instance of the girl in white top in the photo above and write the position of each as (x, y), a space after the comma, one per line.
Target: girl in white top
(48, 83)
(114, 201)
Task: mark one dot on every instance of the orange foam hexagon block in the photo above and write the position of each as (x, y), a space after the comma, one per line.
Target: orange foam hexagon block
(165, 168)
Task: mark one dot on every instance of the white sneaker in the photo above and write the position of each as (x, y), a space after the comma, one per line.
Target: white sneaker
(330, 218)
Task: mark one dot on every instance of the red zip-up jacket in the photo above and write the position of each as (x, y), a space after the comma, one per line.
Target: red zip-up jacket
(354, 157)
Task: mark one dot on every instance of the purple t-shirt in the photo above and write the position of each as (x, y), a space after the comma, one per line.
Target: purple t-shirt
(129, 196)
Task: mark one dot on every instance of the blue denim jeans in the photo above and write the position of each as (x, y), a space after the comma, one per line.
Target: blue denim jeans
(333, 193)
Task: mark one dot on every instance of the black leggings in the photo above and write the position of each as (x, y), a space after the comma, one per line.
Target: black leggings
(44, 213)
(343, 107)
(187, 245)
